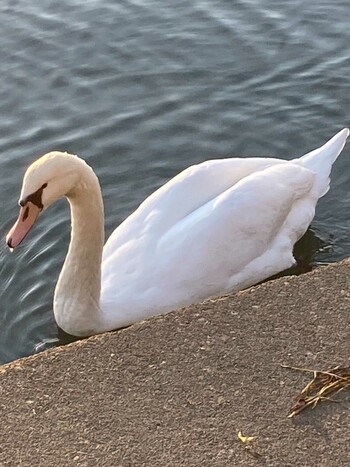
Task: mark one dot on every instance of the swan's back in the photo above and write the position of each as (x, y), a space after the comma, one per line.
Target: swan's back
(183, 195)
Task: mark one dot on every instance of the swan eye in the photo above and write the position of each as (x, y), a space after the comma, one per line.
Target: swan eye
(34, 198)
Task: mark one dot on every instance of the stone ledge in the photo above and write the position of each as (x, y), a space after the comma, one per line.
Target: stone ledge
(175, 390)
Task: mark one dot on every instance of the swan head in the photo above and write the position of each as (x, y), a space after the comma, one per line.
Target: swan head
(49, 178)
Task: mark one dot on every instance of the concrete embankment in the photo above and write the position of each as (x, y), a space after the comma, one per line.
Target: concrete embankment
(176, 389)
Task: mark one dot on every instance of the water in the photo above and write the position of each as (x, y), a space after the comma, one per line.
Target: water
(142, 89)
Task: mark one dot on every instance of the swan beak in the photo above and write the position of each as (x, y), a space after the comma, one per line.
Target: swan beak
(28, 214)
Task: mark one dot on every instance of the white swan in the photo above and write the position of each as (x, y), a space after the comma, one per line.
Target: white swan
(219, 226)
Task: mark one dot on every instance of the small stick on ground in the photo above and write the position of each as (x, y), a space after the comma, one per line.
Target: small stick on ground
(324, 384)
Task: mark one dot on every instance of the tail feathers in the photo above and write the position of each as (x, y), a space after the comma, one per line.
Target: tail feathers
(320, 161)
(327, 153)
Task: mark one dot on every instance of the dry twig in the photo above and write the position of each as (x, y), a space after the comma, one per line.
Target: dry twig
(324, 384)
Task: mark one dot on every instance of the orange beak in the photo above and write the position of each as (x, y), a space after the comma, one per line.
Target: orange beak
(28, 214)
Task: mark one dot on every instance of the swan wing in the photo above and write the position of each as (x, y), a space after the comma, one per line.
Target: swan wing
(253, 224)
(176, 254)
(183, 195)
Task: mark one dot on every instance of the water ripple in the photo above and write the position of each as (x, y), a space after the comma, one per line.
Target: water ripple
(142, 90)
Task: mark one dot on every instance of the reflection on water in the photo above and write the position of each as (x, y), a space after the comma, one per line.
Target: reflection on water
(142, 90)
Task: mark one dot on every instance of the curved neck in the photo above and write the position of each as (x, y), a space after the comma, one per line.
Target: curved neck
(77, 293)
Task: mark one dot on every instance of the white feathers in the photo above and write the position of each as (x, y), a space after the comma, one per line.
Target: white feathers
(219, 226)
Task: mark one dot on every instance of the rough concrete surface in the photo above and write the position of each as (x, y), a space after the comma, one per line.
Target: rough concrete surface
(175, 390)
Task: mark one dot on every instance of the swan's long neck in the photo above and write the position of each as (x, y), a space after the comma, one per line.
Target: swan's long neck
(77, 294)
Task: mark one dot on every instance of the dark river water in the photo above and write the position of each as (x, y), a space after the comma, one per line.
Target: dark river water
(141, 89)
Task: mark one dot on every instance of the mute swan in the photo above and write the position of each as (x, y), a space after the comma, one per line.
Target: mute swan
(219, 226)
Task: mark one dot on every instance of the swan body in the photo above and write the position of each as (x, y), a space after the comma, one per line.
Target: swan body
(219, 226)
